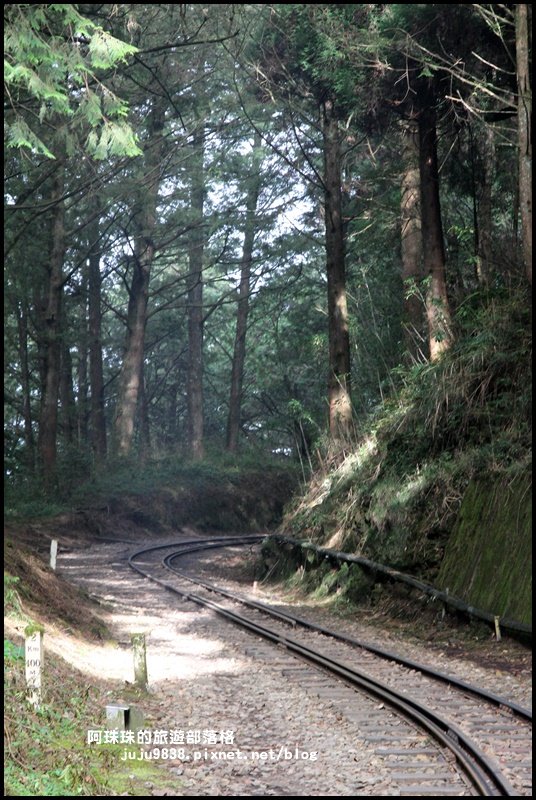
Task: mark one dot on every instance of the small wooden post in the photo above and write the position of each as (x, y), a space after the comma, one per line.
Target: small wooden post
(136, 719)
(53, 553)
(34, 663)
(140, 659)
(497, 629)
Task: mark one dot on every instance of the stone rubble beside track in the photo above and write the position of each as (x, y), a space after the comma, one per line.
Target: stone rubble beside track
(317, 736)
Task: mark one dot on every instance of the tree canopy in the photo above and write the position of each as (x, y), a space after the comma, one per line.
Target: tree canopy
(208, 212)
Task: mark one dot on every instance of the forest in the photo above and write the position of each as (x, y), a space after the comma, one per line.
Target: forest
(266, 230)
(267, 270)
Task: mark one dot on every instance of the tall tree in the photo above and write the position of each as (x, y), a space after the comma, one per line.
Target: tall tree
(524, 122)
(415, 87)
(437, 303)
(48, 423)
(307, 55)
(66, 393)
(96, 371)
(195, 294)
(143, 251)
(22, 328)
(339, 398)
(411, 237)
(483, 153)
(239, 351)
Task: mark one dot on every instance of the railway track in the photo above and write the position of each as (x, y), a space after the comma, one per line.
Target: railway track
(482, 741)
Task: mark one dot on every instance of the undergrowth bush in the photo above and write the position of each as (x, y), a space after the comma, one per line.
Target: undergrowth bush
(221, 492)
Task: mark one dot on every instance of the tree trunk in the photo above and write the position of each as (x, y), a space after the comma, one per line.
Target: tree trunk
(97, 420)
(67, 401)
(484, 208)
(239, 354)
(195, 299)
(340, 407)
(82, 364)
(22, 325)
(437, 305)
(411, 240)
(524, 123)
(144, 423)
(169, 433)
(145, 225)
(130, 376)
(48, 424)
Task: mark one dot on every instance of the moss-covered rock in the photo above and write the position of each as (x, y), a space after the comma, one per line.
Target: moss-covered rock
(488, 555)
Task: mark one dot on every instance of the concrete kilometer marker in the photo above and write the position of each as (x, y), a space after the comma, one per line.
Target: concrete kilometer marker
(34, 664)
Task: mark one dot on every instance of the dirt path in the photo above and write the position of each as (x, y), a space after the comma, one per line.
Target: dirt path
(237, 726)
(229, 714)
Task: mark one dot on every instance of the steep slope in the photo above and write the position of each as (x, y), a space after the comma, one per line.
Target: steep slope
(412, 493)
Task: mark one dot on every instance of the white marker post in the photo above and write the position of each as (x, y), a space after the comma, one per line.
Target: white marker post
(53, 553)
(34, 663)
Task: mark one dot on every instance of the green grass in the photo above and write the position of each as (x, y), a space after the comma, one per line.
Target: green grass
(45, 749)
(12, 601)
(396, 496)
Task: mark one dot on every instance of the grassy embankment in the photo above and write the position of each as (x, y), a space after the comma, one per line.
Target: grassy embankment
(454, 437)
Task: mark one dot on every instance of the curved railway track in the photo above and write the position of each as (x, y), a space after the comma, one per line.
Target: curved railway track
(487, 736)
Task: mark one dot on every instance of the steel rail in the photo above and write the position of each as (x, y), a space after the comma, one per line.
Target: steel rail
(291, 619)
(480, 770)
(374, 568)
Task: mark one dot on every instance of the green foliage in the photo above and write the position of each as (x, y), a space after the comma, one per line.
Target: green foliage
(46, 754)
(105, 50)
(12, 601)
(225, 493)
(48, 50)
(12, 652)
(323, 45)
(114, 139)
(33, 627)
(396, 496)
(19, 134)
(304, 570)
(26, 498)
